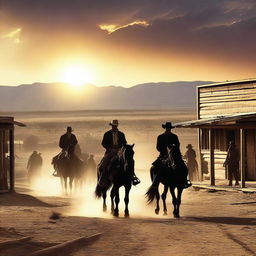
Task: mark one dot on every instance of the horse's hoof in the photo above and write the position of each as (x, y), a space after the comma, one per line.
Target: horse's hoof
(165, 213)
(104, 208)
(116, 214)
(126, 215)
(156, 211)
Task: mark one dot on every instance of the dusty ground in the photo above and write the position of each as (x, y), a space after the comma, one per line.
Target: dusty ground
(217, 223)
(221, 223)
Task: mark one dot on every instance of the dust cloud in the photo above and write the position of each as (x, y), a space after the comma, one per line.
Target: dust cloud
(140, 127)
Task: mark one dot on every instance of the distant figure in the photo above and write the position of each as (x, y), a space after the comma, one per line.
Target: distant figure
(190, 157)
(232, 163)
(34, 165)
(91, 169)
(204, 165)
(68, 142)
(164, 143)
(113, 141)
(91, 164)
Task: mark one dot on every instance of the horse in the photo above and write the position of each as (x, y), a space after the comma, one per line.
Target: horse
(118, 175)
(68, 166)
(172, 173)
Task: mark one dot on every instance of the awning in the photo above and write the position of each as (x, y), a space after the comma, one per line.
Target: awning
(235, 121)
(5, 120)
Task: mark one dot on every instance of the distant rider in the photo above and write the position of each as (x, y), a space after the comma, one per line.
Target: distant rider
(68, 142)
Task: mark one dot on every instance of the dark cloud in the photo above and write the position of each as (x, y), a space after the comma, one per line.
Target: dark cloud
(221, 29)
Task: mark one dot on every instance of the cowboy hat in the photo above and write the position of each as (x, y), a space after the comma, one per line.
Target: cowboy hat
(69, 128)
(167, 125)
(189, 146)
(114, 122)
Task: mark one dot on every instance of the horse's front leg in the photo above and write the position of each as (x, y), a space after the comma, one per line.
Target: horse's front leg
(65, 185)
(112, 196)
(174, 202)
(164, 199)
(104, 196)
(157, 202)
(126, 200)
(71, 179)
(180, 190)
(117, 200)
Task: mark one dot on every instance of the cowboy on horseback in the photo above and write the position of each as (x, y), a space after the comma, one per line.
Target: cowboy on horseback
(113, 141)
(165, 142)
(68, 142)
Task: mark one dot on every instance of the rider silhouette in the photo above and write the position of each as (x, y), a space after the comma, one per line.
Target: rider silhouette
(164, 142)
(68, 142)
(113, 141)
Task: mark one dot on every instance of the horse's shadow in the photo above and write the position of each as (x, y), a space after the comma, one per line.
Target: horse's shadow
(225, 220)
(217, 220)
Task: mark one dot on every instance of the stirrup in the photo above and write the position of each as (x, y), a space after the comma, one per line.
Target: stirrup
(188, 184)
(135, 181)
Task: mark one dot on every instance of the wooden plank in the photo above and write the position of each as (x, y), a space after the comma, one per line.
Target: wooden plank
(67, 247)
(227, 92)
(229, 99)
(14, 242)
(228, 87)
(211, 147)
(242, 157)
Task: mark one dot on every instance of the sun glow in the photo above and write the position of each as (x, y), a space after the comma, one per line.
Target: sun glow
(76, 76)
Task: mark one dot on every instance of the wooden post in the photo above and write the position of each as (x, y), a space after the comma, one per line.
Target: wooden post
(211, 149)
(242, 157)
(199, 143)
(12, 178)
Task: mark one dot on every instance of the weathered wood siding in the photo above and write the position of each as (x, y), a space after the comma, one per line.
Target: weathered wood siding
(226, 99)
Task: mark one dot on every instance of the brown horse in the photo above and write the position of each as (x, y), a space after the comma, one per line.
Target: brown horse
(68, 166)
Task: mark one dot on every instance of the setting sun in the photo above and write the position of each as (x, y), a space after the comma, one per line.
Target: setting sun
(76, 76)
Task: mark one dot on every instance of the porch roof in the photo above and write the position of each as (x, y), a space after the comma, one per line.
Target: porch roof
(241, 120)
(7, 120)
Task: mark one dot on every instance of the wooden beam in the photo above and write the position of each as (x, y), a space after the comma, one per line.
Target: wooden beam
(242, 157)
(12, 177)
(211, 148)
(199, 143)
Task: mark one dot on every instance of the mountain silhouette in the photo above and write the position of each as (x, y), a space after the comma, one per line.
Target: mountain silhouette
(58, 96)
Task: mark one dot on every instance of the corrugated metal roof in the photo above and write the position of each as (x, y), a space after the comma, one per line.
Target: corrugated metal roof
(218, 120)
(251, 80)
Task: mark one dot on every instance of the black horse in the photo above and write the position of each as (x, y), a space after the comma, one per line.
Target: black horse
(118, 175)
(172, 173)
(68, 166)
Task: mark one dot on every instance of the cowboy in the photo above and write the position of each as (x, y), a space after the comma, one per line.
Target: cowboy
(192, 165)
(164, 142)
(68, 141)
(113, 141)
(232, 163)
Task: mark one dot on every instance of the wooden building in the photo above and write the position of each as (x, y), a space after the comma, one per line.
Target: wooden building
(226, 111)
(7, 153)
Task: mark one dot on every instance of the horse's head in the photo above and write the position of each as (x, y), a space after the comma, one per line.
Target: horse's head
(128, 151)
(173, 155)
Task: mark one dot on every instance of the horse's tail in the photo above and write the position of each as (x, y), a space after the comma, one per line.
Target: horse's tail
(99, 191)
(151, 193)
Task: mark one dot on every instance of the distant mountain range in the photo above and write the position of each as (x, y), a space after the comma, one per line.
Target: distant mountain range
(57, 96)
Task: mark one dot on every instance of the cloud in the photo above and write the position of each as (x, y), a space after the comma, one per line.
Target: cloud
(14, 35)
(112, 28)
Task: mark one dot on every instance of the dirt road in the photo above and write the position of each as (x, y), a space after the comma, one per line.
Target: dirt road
(217, 223)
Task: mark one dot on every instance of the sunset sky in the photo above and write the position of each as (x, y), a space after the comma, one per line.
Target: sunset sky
(118, 42)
